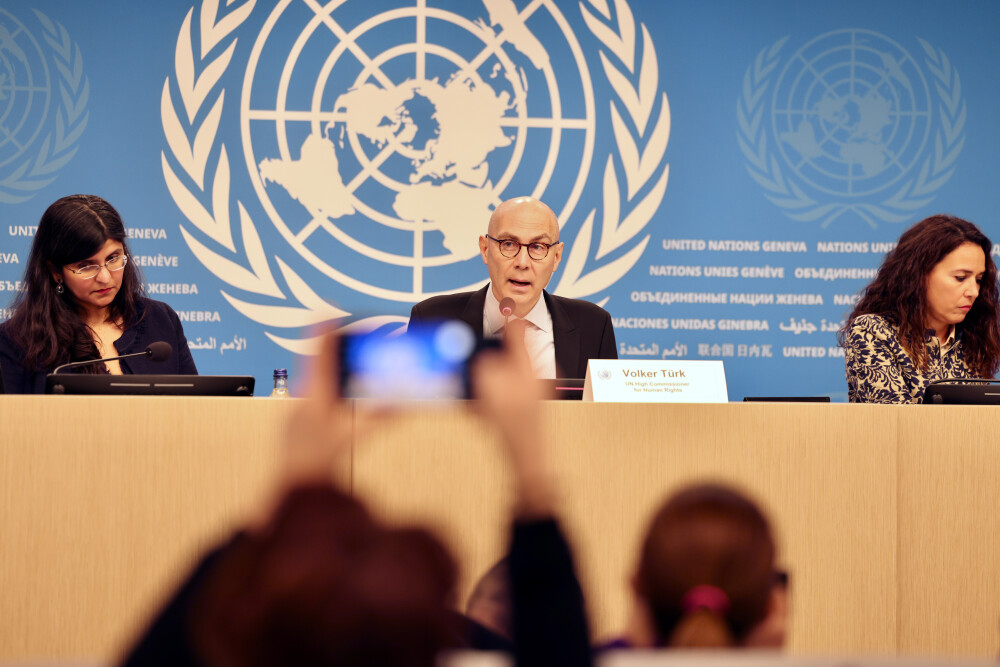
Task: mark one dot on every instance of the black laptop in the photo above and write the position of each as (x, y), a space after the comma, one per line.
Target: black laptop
(963, 392)
(174, 385)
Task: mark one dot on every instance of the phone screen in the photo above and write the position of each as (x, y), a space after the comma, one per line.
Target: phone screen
(430, 361)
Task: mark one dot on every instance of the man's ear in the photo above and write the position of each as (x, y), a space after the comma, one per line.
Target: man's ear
(484, 246)
(557, 251)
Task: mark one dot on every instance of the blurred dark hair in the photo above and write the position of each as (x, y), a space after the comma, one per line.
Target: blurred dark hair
(47, 326)
(706, 535)
(326, 585)
(898, 292)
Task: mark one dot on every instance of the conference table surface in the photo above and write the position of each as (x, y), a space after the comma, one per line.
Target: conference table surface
(886, 516)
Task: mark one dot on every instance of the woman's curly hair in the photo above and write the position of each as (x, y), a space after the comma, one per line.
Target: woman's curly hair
(899, 292)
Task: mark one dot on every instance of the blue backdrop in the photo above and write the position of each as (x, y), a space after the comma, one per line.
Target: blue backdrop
(727, 175)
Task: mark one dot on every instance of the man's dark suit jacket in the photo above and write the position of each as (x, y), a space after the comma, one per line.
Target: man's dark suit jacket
(580, 329)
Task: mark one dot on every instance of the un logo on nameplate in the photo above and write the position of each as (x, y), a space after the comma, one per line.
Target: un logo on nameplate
(377, 139)
(851, 122)
(43, 102)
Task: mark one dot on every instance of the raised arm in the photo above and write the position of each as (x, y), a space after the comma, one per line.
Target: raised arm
(549, 621)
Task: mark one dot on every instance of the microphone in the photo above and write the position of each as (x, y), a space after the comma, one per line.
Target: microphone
(158, 351)
(506, 309)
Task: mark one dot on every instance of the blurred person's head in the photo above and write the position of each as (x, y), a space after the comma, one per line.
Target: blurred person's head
(706, 568)
(325, 584)
(490, 602)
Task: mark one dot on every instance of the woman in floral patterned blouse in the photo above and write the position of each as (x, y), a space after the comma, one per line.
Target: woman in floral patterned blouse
(931, 313)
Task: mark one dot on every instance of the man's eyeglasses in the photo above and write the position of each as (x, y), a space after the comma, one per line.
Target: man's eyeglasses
(510, 248)
(114, 263)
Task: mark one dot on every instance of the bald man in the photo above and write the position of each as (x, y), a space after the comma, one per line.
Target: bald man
(521, 249)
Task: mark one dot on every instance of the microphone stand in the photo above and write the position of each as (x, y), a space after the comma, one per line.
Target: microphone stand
(157, 354)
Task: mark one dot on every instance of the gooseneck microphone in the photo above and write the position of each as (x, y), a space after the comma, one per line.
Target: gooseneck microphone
(506, 309)
(158, 351)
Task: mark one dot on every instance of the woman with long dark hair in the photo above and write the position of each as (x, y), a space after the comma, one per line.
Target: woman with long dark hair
(82, 299)
(930, 314)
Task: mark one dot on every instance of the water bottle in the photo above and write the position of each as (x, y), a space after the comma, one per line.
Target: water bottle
(280, 383)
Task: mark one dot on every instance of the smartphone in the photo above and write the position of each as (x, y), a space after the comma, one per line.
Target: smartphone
(430, 362)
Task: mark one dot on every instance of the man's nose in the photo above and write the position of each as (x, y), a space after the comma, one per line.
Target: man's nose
(522, 258)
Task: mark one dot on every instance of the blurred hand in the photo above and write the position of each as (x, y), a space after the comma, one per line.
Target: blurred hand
(320, 429)
(319, 433)
(509, 398)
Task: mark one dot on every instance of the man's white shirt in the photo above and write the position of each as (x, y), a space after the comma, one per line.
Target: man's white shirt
(538, 335)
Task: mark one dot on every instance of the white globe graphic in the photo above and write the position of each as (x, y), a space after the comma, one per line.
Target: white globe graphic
(25, 89)
(851, 112)
(381, 142)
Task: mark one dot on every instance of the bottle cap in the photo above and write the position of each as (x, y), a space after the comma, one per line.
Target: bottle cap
(280, 372)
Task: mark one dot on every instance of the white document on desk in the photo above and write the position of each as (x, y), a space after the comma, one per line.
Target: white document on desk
(626, 381)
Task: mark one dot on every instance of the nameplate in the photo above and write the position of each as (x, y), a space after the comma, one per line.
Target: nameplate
(624, 381)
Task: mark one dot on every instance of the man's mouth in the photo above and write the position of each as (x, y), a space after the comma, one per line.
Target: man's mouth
(518, 283)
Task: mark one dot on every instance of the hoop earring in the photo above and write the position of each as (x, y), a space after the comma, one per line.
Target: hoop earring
(59, 288)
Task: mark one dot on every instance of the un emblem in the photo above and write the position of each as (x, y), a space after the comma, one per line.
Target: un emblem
(39, 128)
(377, 140)
(853, 126)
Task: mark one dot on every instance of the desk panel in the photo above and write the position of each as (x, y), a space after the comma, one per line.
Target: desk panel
(814, 467)
(885, 515)
(949, 530)
(106, 502)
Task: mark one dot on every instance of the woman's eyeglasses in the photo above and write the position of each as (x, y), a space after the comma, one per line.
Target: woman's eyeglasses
(114, 263)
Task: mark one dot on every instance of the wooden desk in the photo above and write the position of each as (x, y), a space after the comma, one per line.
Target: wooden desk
(886, 515)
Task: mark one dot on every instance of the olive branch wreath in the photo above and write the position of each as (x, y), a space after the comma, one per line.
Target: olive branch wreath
(206, 206)
(914, 193)
(58, 147)
(640, 165)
